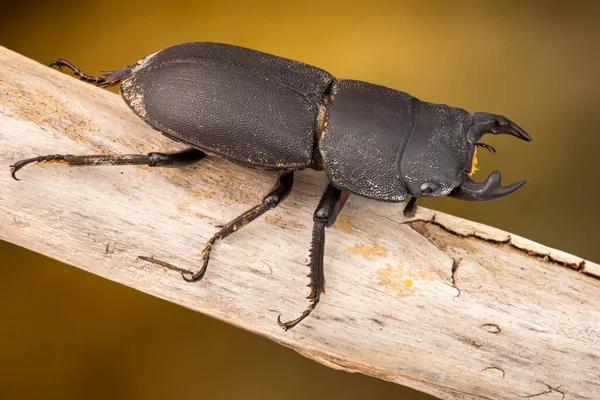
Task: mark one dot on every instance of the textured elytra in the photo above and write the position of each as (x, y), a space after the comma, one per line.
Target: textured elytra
(244, 105)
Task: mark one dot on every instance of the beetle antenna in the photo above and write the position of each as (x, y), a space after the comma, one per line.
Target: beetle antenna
(487, 147)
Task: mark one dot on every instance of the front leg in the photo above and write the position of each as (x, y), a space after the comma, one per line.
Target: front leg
(325, 215)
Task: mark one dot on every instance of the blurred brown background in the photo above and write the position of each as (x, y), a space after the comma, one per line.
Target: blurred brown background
(70, 335)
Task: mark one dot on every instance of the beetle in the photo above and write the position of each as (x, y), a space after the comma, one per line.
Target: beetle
(273, 113)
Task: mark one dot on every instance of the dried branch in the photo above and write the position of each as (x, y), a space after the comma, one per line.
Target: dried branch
(437, 303)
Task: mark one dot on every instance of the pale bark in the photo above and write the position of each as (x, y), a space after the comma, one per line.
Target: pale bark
(440, 304)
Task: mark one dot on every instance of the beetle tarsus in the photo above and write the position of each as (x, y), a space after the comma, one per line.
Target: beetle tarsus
(20, 164)
(325, 215)
(98, 81)
(40, 159)
(195, 277)
(110, 78)
(290, 324)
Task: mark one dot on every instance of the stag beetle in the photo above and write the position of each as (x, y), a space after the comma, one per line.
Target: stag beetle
(268, 112)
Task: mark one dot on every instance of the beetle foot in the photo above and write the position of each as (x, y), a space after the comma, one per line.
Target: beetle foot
(290, 324)
(54, 158)
(317, 286)
(110, 78)
(20, 164)
(96, 80)
(188, 277)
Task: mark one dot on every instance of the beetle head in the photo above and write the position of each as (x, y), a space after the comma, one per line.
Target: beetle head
(440, 155)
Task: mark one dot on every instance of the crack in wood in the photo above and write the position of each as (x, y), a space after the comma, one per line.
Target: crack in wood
(550, 390)
(455, 265)
(495, 369)
(579, 267)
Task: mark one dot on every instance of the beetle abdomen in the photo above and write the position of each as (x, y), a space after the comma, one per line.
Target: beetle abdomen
(246, 106)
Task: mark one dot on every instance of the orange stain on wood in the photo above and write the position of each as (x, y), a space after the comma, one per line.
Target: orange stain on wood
(183, 207)
(368, 252)
(395, 278)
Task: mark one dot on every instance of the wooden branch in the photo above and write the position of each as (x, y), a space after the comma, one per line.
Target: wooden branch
(437, 303)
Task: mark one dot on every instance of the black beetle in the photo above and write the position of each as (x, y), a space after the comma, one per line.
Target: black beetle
(269, 112)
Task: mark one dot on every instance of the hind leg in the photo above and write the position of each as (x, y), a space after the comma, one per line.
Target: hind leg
(110, 78)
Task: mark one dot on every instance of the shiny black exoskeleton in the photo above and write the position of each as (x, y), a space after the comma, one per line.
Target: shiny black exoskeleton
(269, 112)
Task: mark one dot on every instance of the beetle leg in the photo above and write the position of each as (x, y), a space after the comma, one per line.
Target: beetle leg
(281, 189)
(110, 77)
(177, 159)
(61, 62)
(325, 215)
(411, 208)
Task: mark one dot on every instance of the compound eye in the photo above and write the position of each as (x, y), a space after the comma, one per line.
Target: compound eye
(428, 188)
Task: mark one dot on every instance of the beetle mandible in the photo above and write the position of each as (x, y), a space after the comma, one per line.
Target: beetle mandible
(268, 112)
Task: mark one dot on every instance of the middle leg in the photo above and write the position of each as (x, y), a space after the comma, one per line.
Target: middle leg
(281, 189)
